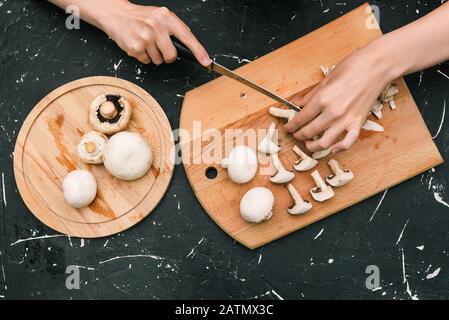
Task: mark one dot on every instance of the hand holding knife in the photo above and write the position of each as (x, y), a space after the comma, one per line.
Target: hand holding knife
(185, 53)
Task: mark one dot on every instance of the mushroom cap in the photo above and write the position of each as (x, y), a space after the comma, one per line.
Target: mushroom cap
(127, 156)
(241, 164)
(300, 208)
(79, 188)
(321, 154)
(305, 164)
(91, 147)
(257, 205)
(282, 176)
(105, 123)
(340, 180)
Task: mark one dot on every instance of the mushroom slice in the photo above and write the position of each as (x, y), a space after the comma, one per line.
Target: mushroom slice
(372, 126)
(301, 206)
(391, 103)
(283, 175)
(326, 71)
(322, 192)
(320, 154)
(282, 113)
(305, 163)
(110, 113)
(376, 109)
(91, 147)
(389, 92)
(257, 205)
(241, 164)
(267, 145)
(341, 176)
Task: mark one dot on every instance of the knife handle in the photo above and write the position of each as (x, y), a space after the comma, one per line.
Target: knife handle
(183, 51)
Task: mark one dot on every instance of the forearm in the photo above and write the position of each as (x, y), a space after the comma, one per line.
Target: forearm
(93, 12)
(416, 46)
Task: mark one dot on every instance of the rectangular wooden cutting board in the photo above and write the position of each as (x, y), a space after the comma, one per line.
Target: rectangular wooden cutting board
(379, 160)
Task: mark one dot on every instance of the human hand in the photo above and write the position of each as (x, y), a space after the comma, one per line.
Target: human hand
(342, 101)
(143, 32)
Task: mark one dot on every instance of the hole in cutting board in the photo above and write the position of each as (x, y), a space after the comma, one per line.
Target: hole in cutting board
(211, 173)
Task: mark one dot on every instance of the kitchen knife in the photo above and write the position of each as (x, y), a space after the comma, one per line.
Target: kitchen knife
(185, 53)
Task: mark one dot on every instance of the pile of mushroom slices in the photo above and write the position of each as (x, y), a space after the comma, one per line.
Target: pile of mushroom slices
(386, 97)
(125, 155)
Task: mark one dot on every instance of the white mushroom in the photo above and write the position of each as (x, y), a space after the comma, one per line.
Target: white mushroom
(376, 109)
(305, 162)
(91, 147)
(79, 188)
(320, 154)
(267, 145)
(341, 176)
(257, 205)
(127, 156)
(326, 71)
(241, 164)
(322, 191)
(389, 92)
(372, 126)
(301, 206)
(287, 114)
(283, 175)
(110, 113)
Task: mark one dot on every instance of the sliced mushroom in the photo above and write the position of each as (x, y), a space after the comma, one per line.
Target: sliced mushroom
(326, 71)
(110, 113)
(376, 109)
(301, 206)
(320, 154)
(257, 205)
(322, 192)
(283, 175)
(267, 145)
(282, 113)
(372, 126)
(305, 162)
(389, 92)
(341, 176)
(91, 147)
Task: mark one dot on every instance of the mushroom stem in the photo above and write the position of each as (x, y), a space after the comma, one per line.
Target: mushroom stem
(282, 113)
(90, 147)
(107, 110)
(335, 167)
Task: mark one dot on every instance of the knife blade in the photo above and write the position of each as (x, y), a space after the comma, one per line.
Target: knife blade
(185, 53)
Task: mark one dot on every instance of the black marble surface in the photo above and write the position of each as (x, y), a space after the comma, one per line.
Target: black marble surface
(403, 231)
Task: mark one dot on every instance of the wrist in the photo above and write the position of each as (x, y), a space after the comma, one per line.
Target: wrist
(389, 61)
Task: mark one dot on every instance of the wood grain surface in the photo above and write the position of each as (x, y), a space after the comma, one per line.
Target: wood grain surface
(379, 160)
(45, 152)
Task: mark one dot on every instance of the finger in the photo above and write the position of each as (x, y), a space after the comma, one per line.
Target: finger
(143, 57)
(155, 54)
(327, 140)
(183, 33)
(314, 128)
(307, 114)
(350, 138)
(166, 47)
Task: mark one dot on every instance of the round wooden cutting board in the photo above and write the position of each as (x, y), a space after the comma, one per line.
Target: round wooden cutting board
(45, 152)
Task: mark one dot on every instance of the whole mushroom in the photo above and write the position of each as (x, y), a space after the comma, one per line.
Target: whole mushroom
(79, 188)
(241, 164)
(91, 147)
(127, 156)
(257, 205)
(110, 113)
